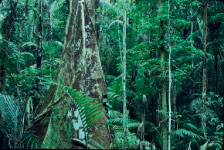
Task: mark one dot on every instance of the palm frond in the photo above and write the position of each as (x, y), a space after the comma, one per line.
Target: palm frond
(115, 23)
(28, 44)
(111, 7)
(9, 109)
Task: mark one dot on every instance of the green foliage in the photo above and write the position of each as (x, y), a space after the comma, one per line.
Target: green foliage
(116, 123)
(112, 8)
(184, 132)
(90, 110)
(9, 109)
(125, 141)
(29, 44)
(144, 74)
(14, 124)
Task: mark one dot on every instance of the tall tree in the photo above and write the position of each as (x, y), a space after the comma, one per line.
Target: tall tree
(50, 28)
(22, 25)
(124, 65)
(170, 80)
(163, 77)
(204, 72)
(40, 35)
(81, 69)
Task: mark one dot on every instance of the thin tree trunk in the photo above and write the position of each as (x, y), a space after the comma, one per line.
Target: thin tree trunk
(119, 42)
(39, 50)
(101, 36)
(142, 128)
(216, 71)
(163, 74)
(192, 28)
(170, 80)
(149, 14)
(204, 74)
(174, 99)
(34, 24)
(50, 37)
(22, 25)
(33, 35)
(124, 66)
(40, 36)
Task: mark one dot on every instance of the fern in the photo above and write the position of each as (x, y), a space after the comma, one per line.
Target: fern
(184, 132)
(89, 110)
(117, 123)
(190, 126)
(113, 96)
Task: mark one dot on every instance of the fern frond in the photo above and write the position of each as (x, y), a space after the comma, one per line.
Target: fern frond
(131, 123)
(190, 126)
(89, 110)
(184, 132)
(114, 96)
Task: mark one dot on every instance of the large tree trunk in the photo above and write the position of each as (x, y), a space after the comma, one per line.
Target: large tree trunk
(87, 77)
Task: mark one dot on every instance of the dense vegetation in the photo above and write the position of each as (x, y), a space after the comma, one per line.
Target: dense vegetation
(118, 74)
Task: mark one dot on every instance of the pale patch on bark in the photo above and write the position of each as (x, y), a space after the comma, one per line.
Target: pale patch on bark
(69, 114)
(78, 125)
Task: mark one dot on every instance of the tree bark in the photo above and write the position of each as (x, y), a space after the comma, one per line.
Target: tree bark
(204, 73)
(174, 106)
(22, 25)
(40, 35)
(50, 36)
(192, 28)
(163, 76)
(64, 123)
(124, 66)
(170, 81)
